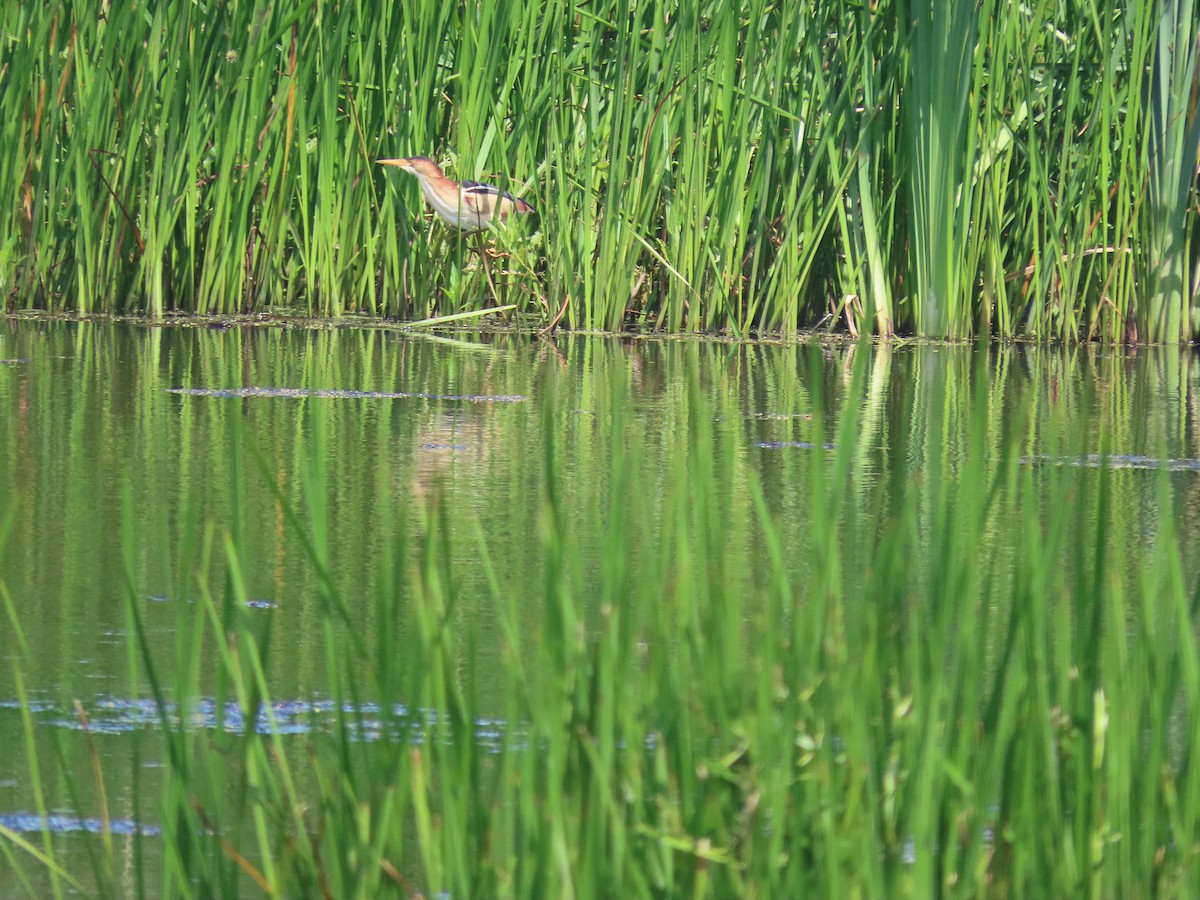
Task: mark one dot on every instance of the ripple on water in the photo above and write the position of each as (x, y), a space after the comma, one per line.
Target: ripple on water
(365, 722)
(63, 823)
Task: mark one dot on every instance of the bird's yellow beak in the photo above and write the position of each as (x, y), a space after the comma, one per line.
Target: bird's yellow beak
(401, 163)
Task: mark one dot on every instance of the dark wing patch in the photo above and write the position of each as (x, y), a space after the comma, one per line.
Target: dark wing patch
(480, 189)
(473, 190)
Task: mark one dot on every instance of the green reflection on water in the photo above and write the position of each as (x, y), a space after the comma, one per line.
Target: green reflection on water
(87, 409)
(88, 412)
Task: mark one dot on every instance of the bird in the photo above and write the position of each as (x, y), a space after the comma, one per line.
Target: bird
(467, 205)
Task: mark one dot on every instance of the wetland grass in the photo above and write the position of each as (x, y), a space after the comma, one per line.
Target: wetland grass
(765, 165)
(977, 689)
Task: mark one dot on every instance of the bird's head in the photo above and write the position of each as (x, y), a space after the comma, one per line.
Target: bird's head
(418, 165)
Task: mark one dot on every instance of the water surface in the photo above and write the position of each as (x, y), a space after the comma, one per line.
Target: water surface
(129, 454)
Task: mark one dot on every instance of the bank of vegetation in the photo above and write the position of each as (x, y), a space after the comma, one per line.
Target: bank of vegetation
(932, 168)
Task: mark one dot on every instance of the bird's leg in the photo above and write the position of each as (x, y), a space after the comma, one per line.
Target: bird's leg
(487, 269)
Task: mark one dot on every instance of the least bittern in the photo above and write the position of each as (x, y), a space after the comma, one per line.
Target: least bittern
(467, 205)
(470, 206)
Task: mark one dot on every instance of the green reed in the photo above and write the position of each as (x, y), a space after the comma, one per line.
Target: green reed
(773, 165)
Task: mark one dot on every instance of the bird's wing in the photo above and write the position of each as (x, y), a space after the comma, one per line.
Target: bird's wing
(482, 197)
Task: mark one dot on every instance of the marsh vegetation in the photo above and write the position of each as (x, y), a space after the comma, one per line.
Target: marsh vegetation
(931, 168)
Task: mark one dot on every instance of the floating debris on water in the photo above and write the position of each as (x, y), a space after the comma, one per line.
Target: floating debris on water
(1115, 461)
(252, 603)
(791, 445)
(330, 394)
(1087, 461)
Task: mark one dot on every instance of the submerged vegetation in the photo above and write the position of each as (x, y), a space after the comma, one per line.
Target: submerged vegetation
(931, 167)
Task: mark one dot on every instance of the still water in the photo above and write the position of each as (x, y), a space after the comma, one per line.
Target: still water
(127, 451)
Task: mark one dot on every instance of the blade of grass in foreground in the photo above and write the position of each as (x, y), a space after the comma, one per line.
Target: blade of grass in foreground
(46, 853)
(736, 756)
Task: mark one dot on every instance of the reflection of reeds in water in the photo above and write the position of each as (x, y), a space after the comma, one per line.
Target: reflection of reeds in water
(893, 662)
(447, 445)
